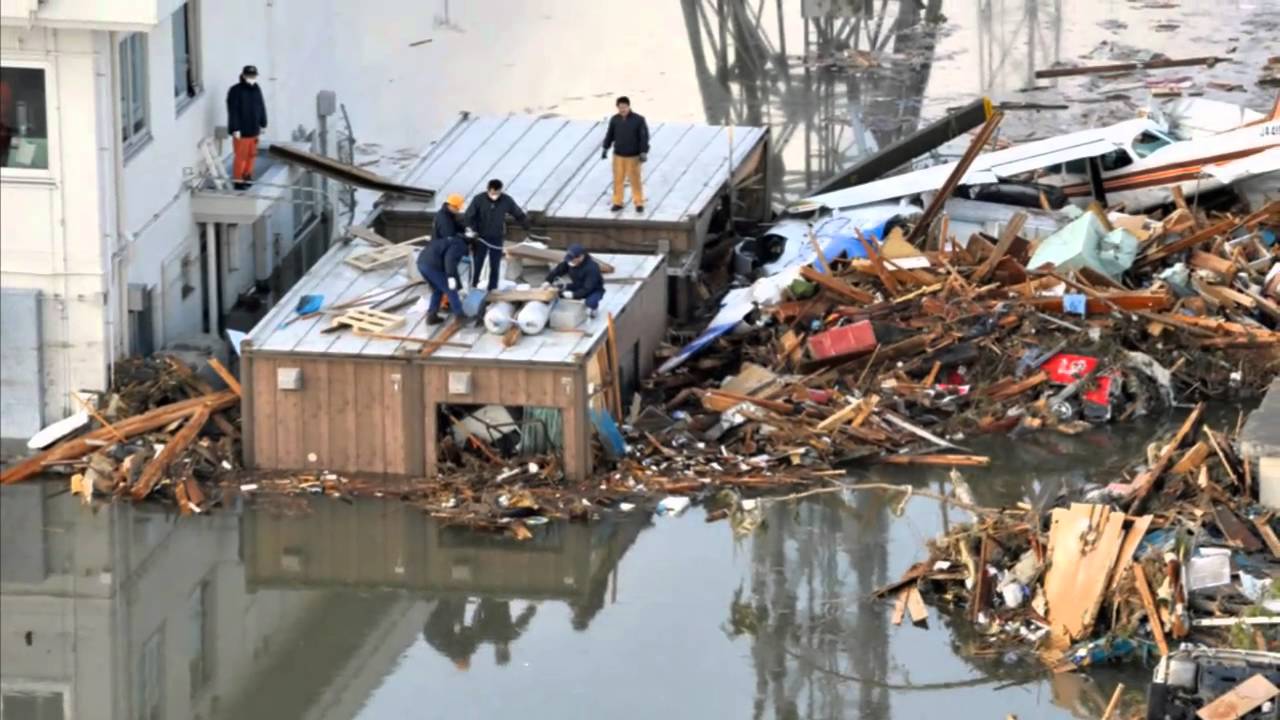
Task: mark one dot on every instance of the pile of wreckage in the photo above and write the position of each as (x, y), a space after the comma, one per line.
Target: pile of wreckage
(891, 319)
(1181, 552)
(163, 431)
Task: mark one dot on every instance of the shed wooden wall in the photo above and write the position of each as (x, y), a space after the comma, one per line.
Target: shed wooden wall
(642, 325)
(356, 416)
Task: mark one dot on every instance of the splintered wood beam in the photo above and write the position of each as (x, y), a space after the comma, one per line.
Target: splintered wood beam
(159, 465)
(226, 376)
(1006, 241)
(940, 199)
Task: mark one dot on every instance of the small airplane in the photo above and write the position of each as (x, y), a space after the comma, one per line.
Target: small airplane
(1140, 161)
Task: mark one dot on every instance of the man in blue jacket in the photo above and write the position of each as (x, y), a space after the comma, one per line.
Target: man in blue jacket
(246, 119)
(487, 217)
(438, 261)
(586, 282)
(628, 133)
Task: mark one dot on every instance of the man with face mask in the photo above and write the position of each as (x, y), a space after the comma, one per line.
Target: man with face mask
(246, 119)
(487, 217)
(586, 282)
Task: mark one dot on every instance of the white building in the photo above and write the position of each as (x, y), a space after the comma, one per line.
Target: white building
(113, 238)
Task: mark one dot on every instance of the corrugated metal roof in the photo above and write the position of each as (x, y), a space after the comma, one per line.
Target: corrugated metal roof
(338, 282)
(552, 165)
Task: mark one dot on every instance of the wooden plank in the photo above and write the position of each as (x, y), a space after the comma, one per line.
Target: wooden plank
(1006, 240)
(836, 286)
(264, 412)
(1124, 559)
(1212, 263)
(226, 376)
(369, 236)
(379, 257)
(342, 419)
(545, 295)
(900, 606)
(957, 174)
(154, 470)
(1241, 700)
(1084, 541)
(1263, 526)
(393, 420)
(615, 369)
(1115, 696)
(1147, 479)
(369, 418)
(315, 433)
(915, 605)
(551, 256)
(290, 422)
(1149, 604)
(1156, 254)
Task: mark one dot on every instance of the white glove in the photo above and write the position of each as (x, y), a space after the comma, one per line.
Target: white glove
(546, 285)
(470, 233)
(236, 134)
(567, 294)
(453, 283)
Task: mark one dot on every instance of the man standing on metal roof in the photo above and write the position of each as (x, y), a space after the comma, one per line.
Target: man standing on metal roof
(629, 135)
(246, 119)
(487, 217)
(586, 282)
(438, 261)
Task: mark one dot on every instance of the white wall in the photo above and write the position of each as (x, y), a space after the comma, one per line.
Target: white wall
(54, 226)
(157, 208)
(88, 14)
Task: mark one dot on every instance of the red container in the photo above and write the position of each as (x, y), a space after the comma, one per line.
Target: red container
(1065, 368)
(847, 340)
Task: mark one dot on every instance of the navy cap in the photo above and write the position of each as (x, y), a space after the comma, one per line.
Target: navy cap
(575, 251)
(249, 70)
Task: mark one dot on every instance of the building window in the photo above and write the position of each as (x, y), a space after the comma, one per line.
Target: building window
(200, 624)
(133, 90)
(186, 53)
(149, 697)
(34, 704)
(24, 129)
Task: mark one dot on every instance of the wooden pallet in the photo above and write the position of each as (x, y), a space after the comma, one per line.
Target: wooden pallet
(379, 257)
(369, 321)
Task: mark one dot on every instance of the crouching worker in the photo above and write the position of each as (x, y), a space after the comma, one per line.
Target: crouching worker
(438, 261)
(586, 283)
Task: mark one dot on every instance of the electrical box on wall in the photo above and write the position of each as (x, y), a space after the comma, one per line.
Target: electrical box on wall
(460, 383)
(289, 378)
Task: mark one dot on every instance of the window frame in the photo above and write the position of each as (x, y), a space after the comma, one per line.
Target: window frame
(136, 139)
(190, 11)
(37, 174)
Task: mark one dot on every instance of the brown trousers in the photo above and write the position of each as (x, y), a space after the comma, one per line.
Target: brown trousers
(627, 169)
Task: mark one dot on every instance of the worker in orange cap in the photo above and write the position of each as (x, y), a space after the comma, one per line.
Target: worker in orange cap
(438, 261)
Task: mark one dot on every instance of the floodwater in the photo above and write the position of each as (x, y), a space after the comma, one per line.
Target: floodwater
(371, 610)
(323, 609)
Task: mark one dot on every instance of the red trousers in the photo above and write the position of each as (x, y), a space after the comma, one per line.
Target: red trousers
(246, 151)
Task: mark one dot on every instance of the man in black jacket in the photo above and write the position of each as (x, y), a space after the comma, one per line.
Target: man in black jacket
(586, 282)
(438, 261)
(246, 119)
(629, 135)
(487, 217)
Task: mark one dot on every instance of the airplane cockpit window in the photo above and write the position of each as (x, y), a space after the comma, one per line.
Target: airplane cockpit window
(1115, 160)
(1148, 142)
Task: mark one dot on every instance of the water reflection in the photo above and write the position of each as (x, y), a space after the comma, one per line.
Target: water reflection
(122, 611)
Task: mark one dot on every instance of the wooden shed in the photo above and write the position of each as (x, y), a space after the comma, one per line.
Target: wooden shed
(551, 166)
(351, 403)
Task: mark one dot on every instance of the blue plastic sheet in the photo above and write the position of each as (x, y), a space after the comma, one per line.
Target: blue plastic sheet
(1075, 304)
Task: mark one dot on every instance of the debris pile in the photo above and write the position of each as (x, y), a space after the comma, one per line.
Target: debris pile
(162, 431)
(894, 354)
(1182, 552)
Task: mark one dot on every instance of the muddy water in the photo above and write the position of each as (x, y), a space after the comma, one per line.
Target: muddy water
(327, 609)
(371, 610)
